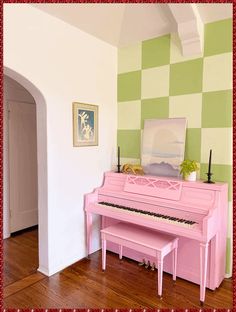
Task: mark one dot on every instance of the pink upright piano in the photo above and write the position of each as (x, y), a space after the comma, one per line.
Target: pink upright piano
(195, 212)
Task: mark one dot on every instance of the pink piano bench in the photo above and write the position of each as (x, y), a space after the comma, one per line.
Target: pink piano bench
(144, 240)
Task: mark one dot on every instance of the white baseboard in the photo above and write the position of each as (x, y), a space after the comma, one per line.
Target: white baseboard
(6, 235)
(228, 275)
(58, 268)
(43, 270)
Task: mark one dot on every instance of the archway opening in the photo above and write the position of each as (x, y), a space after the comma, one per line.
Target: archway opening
(20, 181)
(41, 165)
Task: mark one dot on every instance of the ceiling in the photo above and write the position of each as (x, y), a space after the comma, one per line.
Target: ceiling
(122, 24)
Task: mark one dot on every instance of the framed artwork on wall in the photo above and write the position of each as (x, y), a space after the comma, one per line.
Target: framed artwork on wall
(163, 146)
(85, 124)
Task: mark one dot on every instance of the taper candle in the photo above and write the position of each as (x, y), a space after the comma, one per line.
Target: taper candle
(118, 156)
(209, 164)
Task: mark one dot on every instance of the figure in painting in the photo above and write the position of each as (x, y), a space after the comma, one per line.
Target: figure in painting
(83, 119)
(86, 125)
(88, 132)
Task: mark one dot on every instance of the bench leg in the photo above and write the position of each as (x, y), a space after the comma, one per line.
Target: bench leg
(160, 275)
(104, 249)
(174, 262)
(120, 251)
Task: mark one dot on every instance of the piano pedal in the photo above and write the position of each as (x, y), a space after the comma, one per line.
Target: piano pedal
(142, 263)
(147, 265)
(153, 267)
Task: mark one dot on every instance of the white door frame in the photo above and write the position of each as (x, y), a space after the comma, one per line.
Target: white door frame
(42, 167)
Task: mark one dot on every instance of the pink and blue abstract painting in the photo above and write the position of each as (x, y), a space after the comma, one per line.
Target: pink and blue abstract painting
(163, 146)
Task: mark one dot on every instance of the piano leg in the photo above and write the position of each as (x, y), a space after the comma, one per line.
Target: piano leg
(120, 252)
(104, 250)
(203, 270)
(174, 263)
(89, 220)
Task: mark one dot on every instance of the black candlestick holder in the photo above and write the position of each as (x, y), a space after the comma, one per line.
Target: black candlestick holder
(118, 168)
(209, 174)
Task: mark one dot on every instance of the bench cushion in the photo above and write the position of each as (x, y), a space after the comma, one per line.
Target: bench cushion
(137, 234)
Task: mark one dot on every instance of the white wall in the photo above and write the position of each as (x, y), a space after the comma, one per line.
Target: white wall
(12, 92)
(65, 65)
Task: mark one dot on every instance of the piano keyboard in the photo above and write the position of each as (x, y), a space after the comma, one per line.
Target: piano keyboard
(154, 215)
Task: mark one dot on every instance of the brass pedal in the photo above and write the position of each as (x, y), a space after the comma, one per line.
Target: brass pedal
(142, 263)
(148, 264)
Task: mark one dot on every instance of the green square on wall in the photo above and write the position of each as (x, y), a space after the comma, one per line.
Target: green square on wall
(218, 37)
(193, 144)
(186, 77)
(221, 173)
(129, 86)
(154, 108)
(129, 142)
(217, 109)
(156, 52)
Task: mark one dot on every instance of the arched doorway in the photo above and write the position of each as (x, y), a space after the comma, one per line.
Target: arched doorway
(41, 168)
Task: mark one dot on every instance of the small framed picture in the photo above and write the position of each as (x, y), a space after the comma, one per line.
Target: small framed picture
(85, 124)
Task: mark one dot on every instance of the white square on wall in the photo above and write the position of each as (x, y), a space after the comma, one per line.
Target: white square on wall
(176, 54)
(129, 115)
(220, 141)
(217, 72)
(155, 82)
(129, 58)
(189, 106)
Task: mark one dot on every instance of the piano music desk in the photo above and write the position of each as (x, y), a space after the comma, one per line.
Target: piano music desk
(143, 240)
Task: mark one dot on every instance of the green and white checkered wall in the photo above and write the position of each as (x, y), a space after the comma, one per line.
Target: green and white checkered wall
(156, 81)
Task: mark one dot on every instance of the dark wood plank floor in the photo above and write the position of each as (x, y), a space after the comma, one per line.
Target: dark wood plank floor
(20, 256)
(84, 285)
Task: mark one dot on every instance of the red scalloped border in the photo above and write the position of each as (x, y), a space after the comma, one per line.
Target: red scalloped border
(1, 152)
(234, 153)
(1, 160)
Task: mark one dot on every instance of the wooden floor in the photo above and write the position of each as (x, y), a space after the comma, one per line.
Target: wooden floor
(84, 285)
(20, 256)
